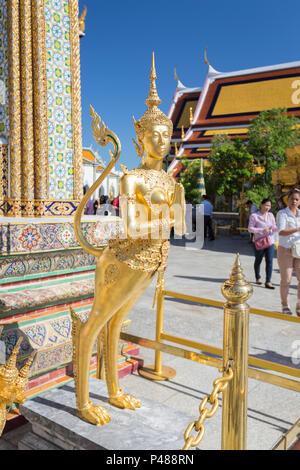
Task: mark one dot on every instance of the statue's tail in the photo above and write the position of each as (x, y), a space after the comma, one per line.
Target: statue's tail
(103, 136)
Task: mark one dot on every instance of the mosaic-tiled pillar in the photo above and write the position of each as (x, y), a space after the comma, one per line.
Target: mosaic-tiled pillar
(76, 99)
(27, 140)
(64, 107)
(3, 169)
(45, 158)
(40, 101)
(14, 101)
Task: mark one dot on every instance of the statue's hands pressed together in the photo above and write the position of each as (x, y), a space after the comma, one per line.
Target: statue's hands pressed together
(177, 212)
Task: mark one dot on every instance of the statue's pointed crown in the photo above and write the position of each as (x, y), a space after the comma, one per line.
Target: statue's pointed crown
(24, 372)
(9, 371)
(153, 115)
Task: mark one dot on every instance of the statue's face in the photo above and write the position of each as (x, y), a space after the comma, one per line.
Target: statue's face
(157, 141)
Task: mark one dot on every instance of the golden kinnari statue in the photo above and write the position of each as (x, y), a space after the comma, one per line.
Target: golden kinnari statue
(151, 204)
(13, 383)
(243, 209)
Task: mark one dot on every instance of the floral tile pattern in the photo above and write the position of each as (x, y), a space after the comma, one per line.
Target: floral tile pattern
(37, 237)
(51, 338)
(45, 263)
(32, 298)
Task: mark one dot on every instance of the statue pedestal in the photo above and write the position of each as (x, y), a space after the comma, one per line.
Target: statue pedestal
(56, 426)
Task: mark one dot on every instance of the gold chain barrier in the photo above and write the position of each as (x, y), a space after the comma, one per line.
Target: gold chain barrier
(234, 352)
(219, 386)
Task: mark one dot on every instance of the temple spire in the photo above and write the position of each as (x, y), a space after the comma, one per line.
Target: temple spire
(153, 98)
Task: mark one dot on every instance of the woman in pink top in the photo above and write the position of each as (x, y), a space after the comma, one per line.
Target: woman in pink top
(261, 224)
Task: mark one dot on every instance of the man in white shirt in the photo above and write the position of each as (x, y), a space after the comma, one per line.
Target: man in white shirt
(208, 210)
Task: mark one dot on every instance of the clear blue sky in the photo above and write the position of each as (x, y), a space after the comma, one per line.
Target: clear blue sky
(121, 35)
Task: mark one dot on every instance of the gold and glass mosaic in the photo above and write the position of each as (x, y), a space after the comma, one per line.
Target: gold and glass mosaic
(4, 120)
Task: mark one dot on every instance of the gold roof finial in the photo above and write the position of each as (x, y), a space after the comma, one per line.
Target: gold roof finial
(81, 20)
(153, 98)
(175, 74)
(205, 57)
(176, 149)
(182, 132)
(191, 115)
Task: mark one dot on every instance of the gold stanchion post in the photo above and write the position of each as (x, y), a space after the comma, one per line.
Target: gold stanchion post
(158, 371)
(235, 352)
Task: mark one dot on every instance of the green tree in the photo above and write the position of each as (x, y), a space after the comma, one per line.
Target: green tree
(230, 166)
(189, 179)
(258, 192)
(269, 135)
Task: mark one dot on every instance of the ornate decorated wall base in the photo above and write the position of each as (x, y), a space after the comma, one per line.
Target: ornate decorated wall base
(37, 208)
(43, 272)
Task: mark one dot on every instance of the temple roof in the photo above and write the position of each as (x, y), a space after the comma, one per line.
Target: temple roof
(183, 105)
(212, 73)
(258, 84)
(92, 157)
(229, 100)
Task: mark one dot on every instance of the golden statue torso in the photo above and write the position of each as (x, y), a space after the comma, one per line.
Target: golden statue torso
(153, 189)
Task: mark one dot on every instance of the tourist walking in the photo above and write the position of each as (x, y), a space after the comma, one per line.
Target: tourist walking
(251, 206)
(288, 254)
(104, 207)
(208, 210)
(262, 224)
(96, 206)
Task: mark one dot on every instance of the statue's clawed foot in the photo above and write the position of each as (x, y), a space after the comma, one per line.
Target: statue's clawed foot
(125, 401)
(94, 414)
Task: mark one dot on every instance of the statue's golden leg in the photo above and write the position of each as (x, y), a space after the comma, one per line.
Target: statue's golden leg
(111, 341)
(115, 285)
(86, 410)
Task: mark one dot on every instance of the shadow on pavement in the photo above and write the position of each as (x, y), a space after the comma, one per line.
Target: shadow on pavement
(225, 244)
(198, 278)
(273, 356)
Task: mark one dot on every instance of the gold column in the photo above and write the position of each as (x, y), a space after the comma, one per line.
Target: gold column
(235, 350)
(158, 371)
(14, 99)
(3, 171)
(27, 102)
(76, 99)
(40, 100)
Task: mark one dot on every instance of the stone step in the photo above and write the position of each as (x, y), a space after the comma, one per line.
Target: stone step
(153, 426)
(33, 442)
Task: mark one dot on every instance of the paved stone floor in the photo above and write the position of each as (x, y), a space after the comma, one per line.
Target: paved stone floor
(201, 272)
